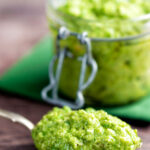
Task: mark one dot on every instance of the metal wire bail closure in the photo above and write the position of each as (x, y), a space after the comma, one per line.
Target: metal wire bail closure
(61, 53)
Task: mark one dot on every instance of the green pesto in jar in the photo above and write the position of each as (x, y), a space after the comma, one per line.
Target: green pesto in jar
(94, 9)
(123, 66)
(65, 129)
(107, 15)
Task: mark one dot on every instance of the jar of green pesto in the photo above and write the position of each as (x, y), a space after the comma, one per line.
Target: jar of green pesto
(120, 35)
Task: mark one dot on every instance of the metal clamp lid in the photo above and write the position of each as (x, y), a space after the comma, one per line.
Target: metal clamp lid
(61, 53)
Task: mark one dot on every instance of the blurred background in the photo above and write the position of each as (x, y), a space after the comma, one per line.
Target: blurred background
(22, 25)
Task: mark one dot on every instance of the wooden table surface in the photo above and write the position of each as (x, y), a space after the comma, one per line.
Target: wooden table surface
(22, 24)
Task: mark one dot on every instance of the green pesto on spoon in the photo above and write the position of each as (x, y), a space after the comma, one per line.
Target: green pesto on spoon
(67, 129)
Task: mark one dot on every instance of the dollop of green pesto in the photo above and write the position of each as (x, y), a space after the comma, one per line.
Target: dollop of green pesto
(123, 66)
(66, 129)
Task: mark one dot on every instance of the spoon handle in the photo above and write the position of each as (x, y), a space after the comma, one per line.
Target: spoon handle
(16, 118)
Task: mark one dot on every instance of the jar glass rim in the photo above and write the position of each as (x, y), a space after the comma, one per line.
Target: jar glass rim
(145, 17)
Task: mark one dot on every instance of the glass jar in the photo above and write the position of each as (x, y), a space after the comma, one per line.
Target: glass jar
(123, 62)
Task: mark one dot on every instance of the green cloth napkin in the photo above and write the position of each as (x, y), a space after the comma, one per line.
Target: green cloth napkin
(30, 75)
